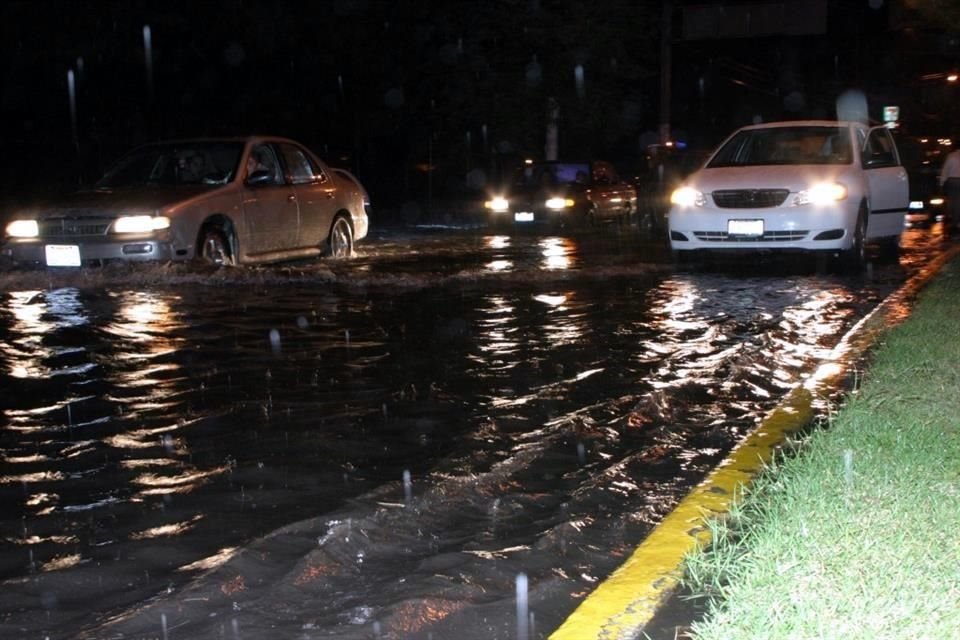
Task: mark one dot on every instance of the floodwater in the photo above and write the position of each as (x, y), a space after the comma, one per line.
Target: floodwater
(393, 446)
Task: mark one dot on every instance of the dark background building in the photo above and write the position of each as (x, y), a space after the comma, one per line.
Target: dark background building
(434, 99)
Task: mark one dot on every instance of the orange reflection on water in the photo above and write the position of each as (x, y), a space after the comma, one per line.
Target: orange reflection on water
(500, 263)
(167, 530)
(37, 314)
(212, 562)
(183, 483)
(62, 562)
(557, 253)
(413, 616)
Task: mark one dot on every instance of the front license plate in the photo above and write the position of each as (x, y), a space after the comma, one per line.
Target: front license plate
(745, 227)
(523, 216)
(63, 255)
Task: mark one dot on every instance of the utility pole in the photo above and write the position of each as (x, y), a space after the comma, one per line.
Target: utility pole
(666, 63)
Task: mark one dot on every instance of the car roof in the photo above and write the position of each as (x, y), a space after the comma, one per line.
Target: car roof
(802, 123)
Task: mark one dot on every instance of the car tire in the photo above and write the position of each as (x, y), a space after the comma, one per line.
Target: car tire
(215, 248)
(340, 239)
(854, 259)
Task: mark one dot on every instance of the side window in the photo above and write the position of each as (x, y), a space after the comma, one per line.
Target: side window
(879, 150)
(299, 167)
(263, 160)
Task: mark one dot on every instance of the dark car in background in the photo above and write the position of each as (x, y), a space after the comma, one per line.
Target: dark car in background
(562, 195)
(923, 158)
(664, 169)
(223, 201)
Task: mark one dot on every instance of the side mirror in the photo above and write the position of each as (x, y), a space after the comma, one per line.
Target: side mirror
(259, 178)
(880, 159)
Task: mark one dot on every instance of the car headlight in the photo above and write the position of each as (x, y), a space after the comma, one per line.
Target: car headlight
(498, 204)
(140, 224)
(559, 203)
(23, 229)
(936, 202)
(688, 197)
(820, 194)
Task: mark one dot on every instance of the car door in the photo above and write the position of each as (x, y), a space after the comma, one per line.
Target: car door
(888, 184)
(270, 209)
(316, 193)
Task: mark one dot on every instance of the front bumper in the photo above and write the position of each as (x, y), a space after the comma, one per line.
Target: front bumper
(703, 229)
(535, 217)
(91, 251)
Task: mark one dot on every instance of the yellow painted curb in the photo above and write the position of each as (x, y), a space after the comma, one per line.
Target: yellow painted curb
(628, 599)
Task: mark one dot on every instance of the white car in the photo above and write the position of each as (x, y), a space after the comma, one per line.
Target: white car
(814, 186)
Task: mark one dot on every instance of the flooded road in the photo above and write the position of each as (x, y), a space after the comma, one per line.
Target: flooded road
(380, 447)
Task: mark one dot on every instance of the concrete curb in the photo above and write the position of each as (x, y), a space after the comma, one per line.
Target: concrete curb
(629, 598)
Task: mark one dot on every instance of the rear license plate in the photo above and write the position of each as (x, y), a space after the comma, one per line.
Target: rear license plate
(745, 227)
(523, 216)
(63, 255)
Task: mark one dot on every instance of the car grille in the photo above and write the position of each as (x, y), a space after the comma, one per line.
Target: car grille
(768, 236)
(750, 198)
(74, 227)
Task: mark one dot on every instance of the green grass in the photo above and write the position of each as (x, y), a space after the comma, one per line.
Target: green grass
(854, 534)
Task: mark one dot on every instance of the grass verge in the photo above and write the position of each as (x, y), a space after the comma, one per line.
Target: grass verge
(854, 533)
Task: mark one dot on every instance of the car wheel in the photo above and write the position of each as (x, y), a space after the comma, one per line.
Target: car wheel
(215, 248)
(854, 259)
(340, 240)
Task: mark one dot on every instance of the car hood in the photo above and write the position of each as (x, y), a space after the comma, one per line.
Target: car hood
(792, 177)
(100, 202)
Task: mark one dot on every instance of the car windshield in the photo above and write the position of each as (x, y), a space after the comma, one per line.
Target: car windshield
(208, 163)
(785, 146)
(552, 174)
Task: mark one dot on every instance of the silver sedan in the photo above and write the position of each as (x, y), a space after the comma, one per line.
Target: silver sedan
(224, 201)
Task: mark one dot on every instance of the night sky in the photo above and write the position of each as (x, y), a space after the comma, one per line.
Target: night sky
(392, 89)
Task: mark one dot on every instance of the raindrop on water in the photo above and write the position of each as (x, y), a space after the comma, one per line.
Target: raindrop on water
(523, 621)
(275, 341)
(407, 487)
